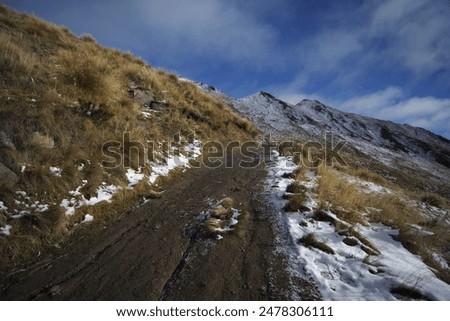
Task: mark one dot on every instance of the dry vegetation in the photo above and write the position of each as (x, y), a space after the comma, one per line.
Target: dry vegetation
(222, 220)
(398, 209)
(401, 207)
(61, 98)
(311, 240)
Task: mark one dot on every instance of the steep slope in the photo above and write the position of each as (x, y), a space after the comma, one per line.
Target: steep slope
(62, 98)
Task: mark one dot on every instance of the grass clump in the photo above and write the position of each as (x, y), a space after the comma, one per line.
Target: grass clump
(408, 293)
(296, 196)
(310, 240)
(296, 187)
(432, 200)
(296, 203)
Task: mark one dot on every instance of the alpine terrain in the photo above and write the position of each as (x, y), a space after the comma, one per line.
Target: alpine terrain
(121, 181)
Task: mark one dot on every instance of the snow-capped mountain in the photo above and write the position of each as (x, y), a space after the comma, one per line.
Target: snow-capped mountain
(384, 141)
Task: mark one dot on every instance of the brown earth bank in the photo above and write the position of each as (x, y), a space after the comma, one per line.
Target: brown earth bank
(159, 251)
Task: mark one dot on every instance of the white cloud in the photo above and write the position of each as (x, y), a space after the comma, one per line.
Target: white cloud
(209, 27)
(403, 36)
(329, 50)
(392, 104)
(415, 31)
(370, 104)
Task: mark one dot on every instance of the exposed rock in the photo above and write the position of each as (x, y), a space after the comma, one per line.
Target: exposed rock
(7, 176)
(157, 105)
(146, 98)
(142, 96)
(6, 141)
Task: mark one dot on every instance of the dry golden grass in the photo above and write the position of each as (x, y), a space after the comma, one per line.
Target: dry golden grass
(296, 203)
(242, 227)
(432, 200)
(295, 187)
(397, 209)
(345, 199)
(310, 240)
(62, 97)
(220, 218)
(227, 202)
(367, 175)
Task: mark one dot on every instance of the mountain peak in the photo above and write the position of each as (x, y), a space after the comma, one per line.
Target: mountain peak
(266, 95)
(312, 104)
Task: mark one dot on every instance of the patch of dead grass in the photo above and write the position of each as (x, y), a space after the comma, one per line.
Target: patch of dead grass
(310, 240)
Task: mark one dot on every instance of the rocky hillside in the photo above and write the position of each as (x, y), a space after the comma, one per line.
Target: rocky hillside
(411, 150)
(62, 97)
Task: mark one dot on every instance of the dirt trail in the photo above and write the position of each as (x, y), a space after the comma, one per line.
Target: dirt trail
(157, 253)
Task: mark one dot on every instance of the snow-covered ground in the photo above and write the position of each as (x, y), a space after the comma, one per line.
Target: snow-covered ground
(350, 273)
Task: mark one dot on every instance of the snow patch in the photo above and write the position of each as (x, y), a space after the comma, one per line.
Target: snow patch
(69, 205)
(55, 171)
(3, 208)
(104, 193)
(134, 176)
(6, 230)
(40, 207)
(87, 218)
(194, 149)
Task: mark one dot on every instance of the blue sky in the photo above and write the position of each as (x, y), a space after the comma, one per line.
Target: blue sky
(388, 59)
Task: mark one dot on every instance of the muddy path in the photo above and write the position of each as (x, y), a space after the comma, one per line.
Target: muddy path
(158, 252)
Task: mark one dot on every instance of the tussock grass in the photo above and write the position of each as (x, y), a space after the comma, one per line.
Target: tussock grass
(368, 175)
(295, 187)
(296, 203)
(227, 202)
(324, 217)
(310, 240)
(355, 206)
(374, 250)
(296, 196)
(342, 197)
(363, 173)
(432, 200)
